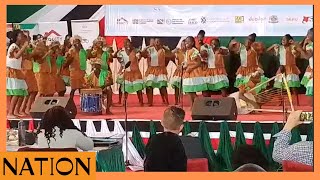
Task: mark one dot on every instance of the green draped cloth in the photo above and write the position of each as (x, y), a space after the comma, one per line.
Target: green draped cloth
(207, 147)
(137, 141)
(60, 61)
(225, 149)
(104, 69)
(83, 59)
(153, 129)
(310, 132)
(259, 141)
(240, 139)
(110, 160)
(186, 128)
(295, 135)
(273, 165)
(48, 59)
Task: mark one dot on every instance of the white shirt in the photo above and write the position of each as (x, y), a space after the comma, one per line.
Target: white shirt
(71, 138)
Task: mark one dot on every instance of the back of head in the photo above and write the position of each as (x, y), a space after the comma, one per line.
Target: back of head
(173, 118)
(245, 154)
(201, 32)
(250, 168)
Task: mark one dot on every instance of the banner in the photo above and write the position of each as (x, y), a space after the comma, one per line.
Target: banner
(32, 28)
(88, 30)
(216, 20)
(54, 31)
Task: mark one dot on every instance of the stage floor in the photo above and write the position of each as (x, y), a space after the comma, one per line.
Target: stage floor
(155, 112)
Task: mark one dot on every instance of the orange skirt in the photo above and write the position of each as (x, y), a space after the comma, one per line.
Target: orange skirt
(59, 83)
(31, 80)
(77, 80)
(46, 85)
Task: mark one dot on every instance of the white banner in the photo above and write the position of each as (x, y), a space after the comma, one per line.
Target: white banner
(216, 20)
(88, 30)
(55, 31)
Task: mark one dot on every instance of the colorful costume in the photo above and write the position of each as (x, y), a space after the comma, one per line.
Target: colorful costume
(15, 83)
(77, 67)
(176, 78)
(194, 76)
(133, 78)
(56, 65)
(156, 74)
(307, 80)
(215, 72)
(292, 72)
(27, 69)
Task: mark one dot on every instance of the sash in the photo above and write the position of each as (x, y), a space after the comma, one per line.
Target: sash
(48, 59)
(83, 59)
(282, 55)
(104, 69)
(60, 61)
(243, 55)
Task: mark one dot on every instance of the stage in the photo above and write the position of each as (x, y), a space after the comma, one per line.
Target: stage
(135, 111)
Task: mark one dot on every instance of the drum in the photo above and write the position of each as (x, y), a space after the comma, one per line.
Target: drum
(91, 101)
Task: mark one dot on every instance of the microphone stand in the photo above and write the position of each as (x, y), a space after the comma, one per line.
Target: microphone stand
(284, 110)
(181, 87)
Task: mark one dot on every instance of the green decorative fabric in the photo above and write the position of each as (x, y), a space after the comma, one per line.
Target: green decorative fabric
(48, 59)
(195, 88)
(291, 84)
(137, 141)
(225, 149)
(186, 128)
(309, 91)
(310, 132)
(110, 160)
(17, 92)
(259, 141)
(102, 77)
(29, 50)
(60, 61)
(153, 129)
(83, 59)
(275, 129)
(105, 57)
(295, 135)
(157, 85)
(240, 139)
(207, 147)
(36, 67)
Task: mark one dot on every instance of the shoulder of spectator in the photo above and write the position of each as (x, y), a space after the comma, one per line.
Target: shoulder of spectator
(283, 133)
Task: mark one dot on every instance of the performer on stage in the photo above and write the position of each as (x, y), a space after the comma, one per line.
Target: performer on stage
(287, 56)
(27, 69)
(194, 76)
(156, 74)
(215, 72)
(307, 53)
(132, 75)
(56, 66)
(77, 63)
(176, 78)
(249, 55)
(65, 72)
(16, 86)
(103, 56)
(200, 39)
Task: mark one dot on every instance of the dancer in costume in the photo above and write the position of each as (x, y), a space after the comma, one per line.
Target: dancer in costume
(16, 86)
(176, 78)
(132, 76)
(194, 76)
(307, 53)
(65, 72)
(77, 63)
(27, 69)
(98, 54)
(215, 72)
(156, 74)
(200, 39)
(249, 55)
(287, 56)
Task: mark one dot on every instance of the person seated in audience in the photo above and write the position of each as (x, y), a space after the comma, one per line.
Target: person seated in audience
(57, 130)
(250, 168)
(301, 152)
(248, 154)
(165, 152)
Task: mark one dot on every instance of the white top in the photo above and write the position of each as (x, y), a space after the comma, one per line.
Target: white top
(125, 58)
(154, 56)
(211, 55)
(13, 62)
(71, 138)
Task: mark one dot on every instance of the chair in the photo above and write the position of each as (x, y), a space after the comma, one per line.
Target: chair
(290, 166)
(198, 165)
(28, 149)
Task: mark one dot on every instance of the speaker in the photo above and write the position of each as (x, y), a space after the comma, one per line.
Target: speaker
(207, 108)
(42, 104)
(192, 147)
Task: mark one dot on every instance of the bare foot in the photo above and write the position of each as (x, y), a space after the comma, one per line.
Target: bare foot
(11, 116)
(27, 112)
(23, 114)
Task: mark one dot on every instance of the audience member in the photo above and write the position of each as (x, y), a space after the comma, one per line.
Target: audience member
(57, 130)
(250, 168)
(248, 154)
(301, 152)
(165, 151)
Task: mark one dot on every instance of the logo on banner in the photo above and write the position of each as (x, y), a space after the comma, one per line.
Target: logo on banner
(203, 20)
(239, 19)
(192, 21)
(168, 21)
(122, 21)
(141, 21)
(53, 36)
(206, 20)
(258, 19)
(160, 21)
(307, 19)
(273, 19)
(292, 19)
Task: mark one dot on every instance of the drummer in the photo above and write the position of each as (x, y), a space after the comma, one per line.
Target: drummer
(98, 79)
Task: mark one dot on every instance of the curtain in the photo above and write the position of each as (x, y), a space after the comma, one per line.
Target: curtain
(274, 166)
(225, 149)
(110, 160)
(259, 141)
(240, 139)
(186, 128)
(137, 141)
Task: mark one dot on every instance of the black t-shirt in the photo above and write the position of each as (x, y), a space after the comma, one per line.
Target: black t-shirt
(164, 153)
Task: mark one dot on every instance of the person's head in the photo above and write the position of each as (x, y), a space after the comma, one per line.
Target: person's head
(200, 36)
(157, 42)
(173, 118)
(286, 40)
(127, 44)
(17, 37)
(190, 42)
(245, 154)
(54, 117)
(183, 45)
(39, 37)
(76, 41)
(215, 43)
(250, 39)
(151, 42)
(250, 168)
(310, 34)
(67, 37)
